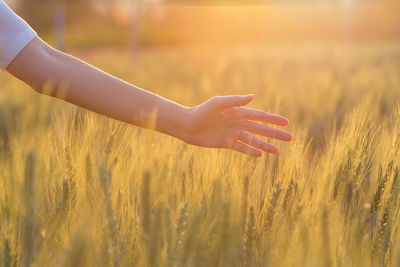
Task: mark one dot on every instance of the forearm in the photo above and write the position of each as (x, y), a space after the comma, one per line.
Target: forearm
(51, 72)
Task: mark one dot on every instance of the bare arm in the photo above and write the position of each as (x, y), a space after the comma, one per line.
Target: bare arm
(84, 85)
(219, 122)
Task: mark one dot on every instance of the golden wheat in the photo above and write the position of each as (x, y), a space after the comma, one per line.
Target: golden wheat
(329, 198)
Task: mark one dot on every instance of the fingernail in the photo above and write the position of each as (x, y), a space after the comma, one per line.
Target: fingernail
(273, 149)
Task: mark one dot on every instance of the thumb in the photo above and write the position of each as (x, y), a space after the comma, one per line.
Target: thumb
(230, 101)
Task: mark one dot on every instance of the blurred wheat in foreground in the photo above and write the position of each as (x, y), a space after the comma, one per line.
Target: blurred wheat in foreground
(77, 189)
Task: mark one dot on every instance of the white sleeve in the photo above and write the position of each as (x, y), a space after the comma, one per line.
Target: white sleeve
(15, 34)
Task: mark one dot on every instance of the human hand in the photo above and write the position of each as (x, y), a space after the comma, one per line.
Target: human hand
(223, 122)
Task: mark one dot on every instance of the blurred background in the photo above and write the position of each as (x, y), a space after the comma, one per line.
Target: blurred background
(173, 23)
(328, 198)
(311, 60)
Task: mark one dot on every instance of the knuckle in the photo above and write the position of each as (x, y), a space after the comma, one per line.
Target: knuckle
(240, 113)
(242, 124)
(216, 98)
(229, 143)
(247, 124)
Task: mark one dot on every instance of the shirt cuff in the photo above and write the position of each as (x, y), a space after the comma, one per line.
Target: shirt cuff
(15, 46)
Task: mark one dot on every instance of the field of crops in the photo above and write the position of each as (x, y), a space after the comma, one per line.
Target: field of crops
(78, 189)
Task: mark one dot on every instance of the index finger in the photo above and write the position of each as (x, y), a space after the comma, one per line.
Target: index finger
(259, 115)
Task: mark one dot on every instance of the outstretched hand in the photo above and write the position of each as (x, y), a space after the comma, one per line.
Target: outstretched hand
(223, 122)
(220, 122)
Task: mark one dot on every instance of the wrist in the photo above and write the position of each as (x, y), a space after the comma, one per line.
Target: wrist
(185, 124)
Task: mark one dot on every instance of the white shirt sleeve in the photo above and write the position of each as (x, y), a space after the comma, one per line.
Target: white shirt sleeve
(15, 34)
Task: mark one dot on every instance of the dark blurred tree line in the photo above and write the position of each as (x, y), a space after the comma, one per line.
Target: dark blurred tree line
(40, 13)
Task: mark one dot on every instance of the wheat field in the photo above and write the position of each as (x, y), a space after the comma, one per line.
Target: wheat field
(78, 189)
